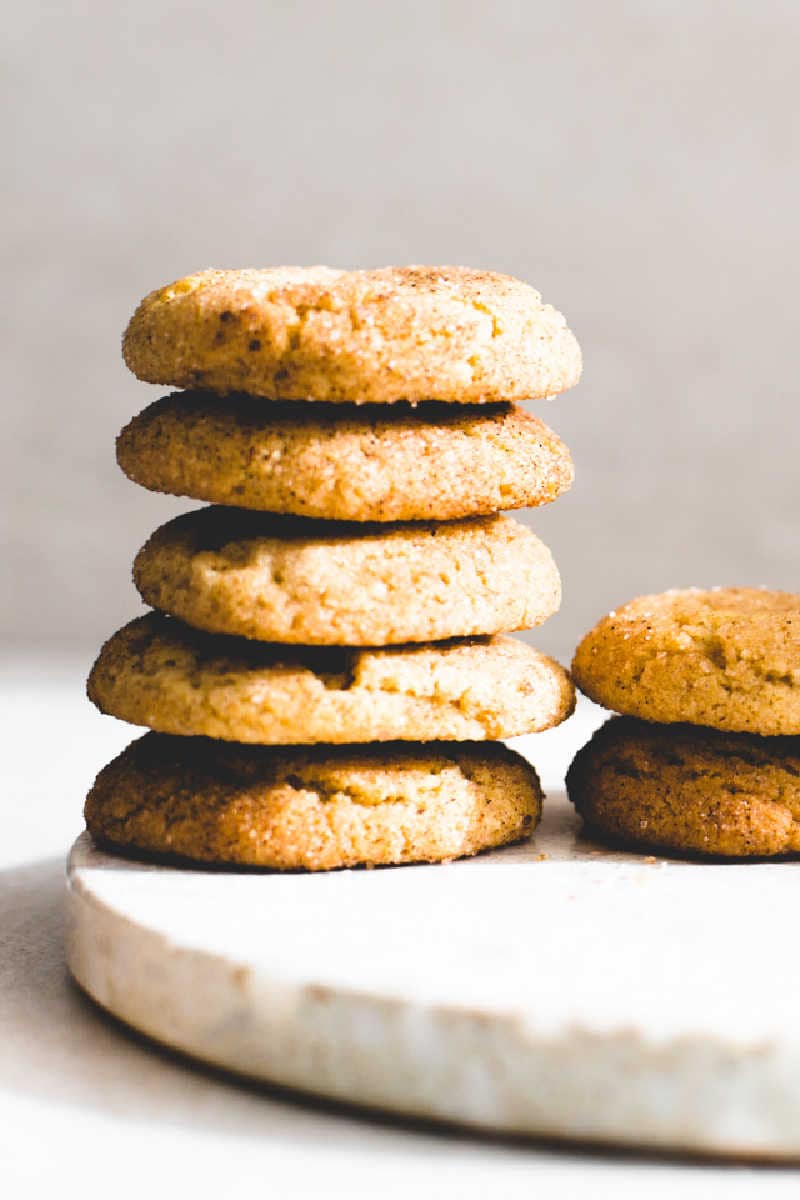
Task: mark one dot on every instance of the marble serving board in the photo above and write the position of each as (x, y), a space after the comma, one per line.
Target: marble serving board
(554, 988)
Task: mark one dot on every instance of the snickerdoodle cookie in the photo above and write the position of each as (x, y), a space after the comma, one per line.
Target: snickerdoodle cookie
(289, 579)
(315, 809)
(163, 674)
(372, 463)
(314, 333)
(727, 658)
(683, 788)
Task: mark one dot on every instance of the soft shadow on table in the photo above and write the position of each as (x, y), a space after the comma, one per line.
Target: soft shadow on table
(62, 1047)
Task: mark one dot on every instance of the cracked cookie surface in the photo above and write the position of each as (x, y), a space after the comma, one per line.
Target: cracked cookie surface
(372, 463)
(683, 788)
(316, 809)
(163, 674)
(728, 658)
(315, 333)
(292, 580)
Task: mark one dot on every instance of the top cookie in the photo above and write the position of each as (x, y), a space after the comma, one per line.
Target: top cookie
(727, 658)
(314, 333)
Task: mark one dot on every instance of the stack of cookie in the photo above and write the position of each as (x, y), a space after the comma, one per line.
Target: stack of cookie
(326, 656)
(706, 759)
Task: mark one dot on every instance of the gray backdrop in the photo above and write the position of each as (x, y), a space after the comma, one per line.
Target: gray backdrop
(637, 162)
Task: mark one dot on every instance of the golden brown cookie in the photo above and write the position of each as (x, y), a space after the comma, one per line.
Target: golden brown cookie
(287, 579)
(727, 658)
(313, 333)
(163, 674)
(373, 463)
(314, 809)
(683, 788)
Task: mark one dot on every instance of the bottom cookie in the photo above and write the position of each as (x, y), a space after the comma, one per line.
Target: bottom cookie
(689, 789)
(324, 807)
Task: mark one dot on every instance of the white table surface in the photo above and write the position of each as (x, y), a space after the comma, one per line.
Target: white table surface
(88, 1109)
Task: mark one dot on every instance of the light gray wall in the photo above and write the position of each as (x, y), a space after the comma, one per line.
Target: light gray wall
(637, 162)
